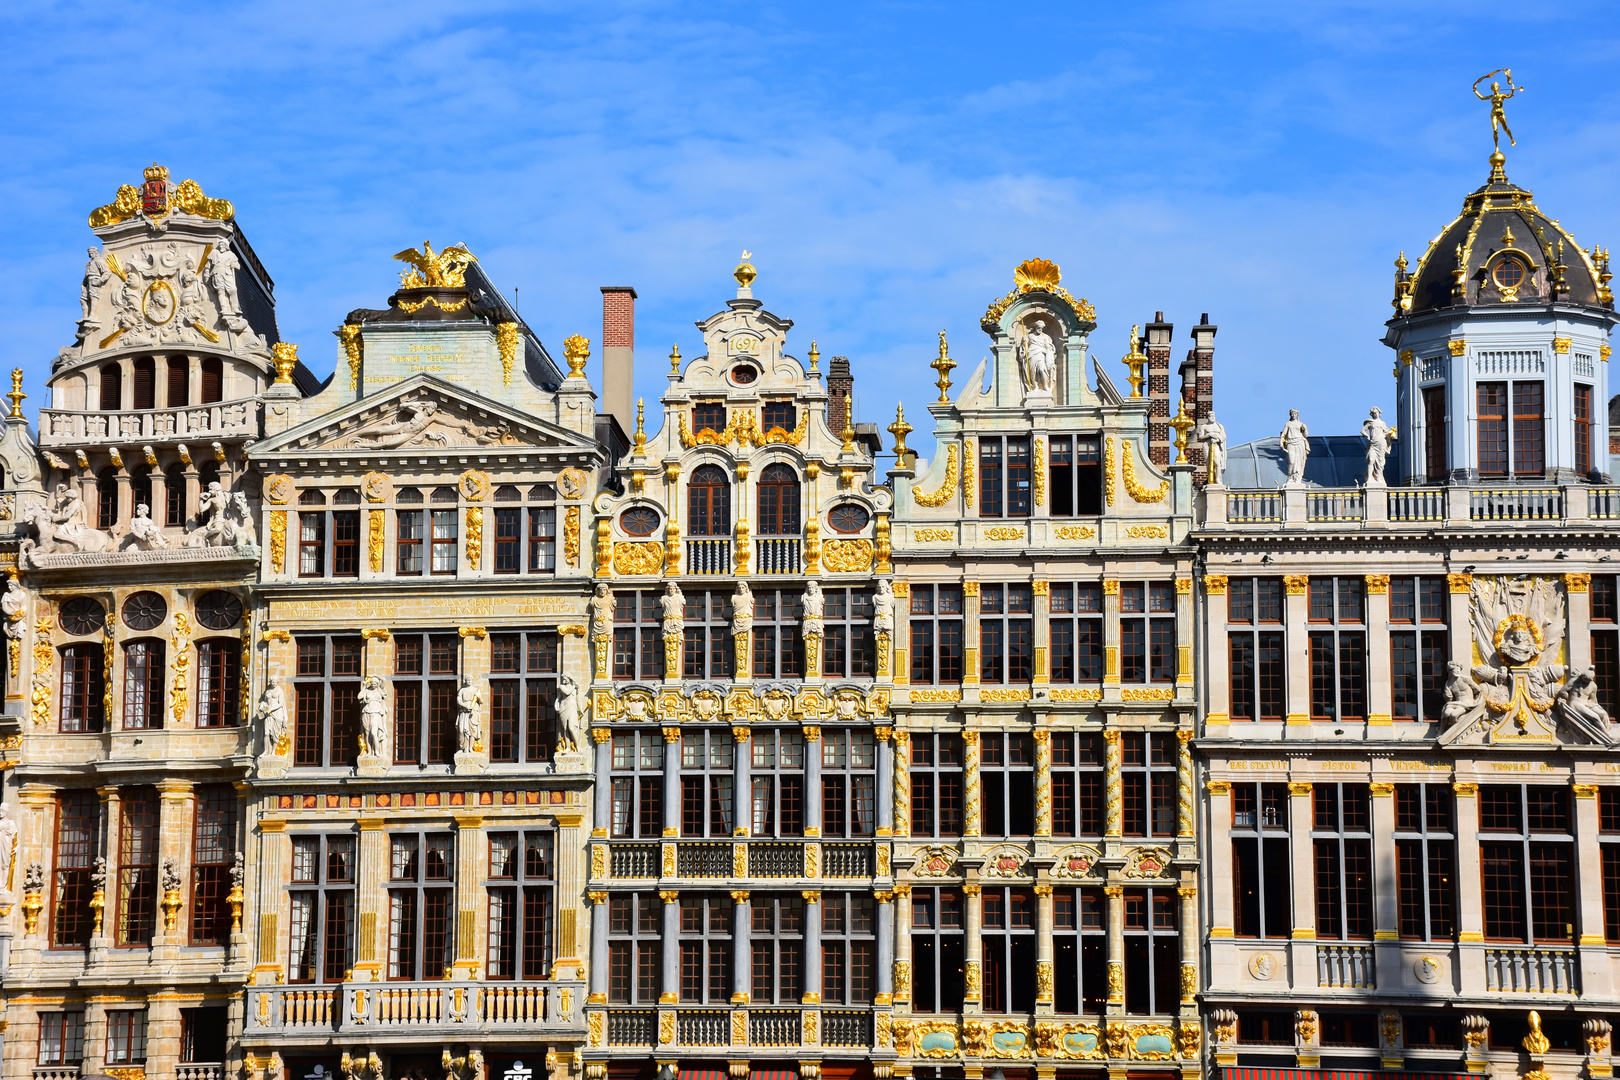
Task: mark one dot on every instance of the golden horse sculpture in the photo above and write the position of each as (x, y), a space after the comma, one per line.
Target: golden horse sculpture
(436, 269)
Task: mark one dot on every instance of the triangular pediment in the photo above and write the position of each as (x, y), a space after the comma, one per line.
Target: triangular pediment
(423, 413)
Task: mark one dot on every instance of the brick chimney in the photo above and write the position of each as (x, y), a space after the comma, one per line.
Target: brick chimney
(1198, 389)
(1156, 344)
(619, 354)
(839, 385)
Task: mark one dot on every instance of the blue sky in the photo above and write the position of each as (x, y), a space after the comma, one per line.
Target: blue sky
(887, 164)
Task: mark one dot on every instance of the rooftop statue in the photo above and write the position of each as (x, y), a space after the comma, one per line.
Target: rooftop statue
(1499, 122)
(445, 269)
(1295, 442)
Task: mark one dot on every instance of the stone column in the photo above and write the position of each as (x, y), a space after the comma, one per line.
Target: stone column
(1470, 907)
(470, 895)
(95, 1037)
(1296, 627)
(672, 782)
(812, 781)
(1113, 783)
(162, 1034)
(1595, 977)
(1186, 787)
(1186, 634)
(970, 633)
(670, 950)
(743, 801)
(1043, 783)
(885, 948)
(192, 491)
(1189, 942)
(103, 907)
(885, 782)
(1116, 949)
(971, 788)
(812, 947)
(268, 898)
(175, 807)
(1578, 595)
(1303, 885)
(1217, 672)
(1111, 637)
(599, 949)
(1041, 627)
(902, 783)
(742, 955)
(973, 992)
(603, 792)
(1460, 588)
(1043, 948)
(371, 901)
(160, 496)
(126, 506)
(902, 943)
(1386, 912)
(1380, 695)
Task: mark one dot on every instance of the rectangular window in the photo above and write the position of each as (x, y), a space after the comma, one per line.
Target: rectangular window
(637, 792)
(1527, 865)
(938, 923)
(126, 1036)
(326, 692)
(321, 892)
(1007, 949)
(936, 785)
(776, 960)
(543, 538)
(345, 543)
(82, 698)
(706, 936)
(1076, 476)
(707, 646)
(1434, 433)
(707, 797)
(990, 477)
(1426, 861)
(1492, 433)
(508, 539)
(521, 893)
(445, 539)
(420, 886)
(1007, 784)
(77, 825)
(1077, 784)
(1529, 435)
(1152, 952)
(522, 696)
(778, 650)
(1075, 643)
(848, 949)
(1583, 429)
(777, 781)
(936, 634)
(61, 1037)
(219, 683)
(1260, 864)
(137, 866)
(848, 648)
(143, 684)
(1080, 951)
(312, 544)
(1006, 646)
(635, 922)
(213, 854)
(1342, 843)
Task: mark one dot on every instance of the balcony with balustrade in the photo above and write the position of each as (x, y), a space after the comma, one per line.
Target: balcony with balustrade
(237, 419)
(767, 1030)
(416, 1011)
(1479, 506)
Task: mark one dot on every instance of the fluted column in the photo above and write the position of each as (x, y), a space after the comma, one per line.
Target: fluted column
(1380, 699)
(1217, 676)
(885, 948)
(371, 900)
(599, 949)
(1296, 609)
(470, 898)
(670, 949)
(742, 947)
(812, 947)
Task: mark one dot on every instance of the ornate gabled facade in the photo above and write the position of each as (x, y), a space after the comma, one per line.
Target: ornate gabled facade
(740, 862)
(1045, 856)
(1408, 694)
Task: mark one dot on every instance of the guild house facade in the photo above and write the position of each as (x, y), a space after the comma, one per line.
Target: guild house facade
(448, 715)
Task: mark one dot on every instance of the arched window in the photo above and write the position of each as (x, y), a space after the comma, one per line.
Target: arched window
(144, 369)
(174, 496)
(708, 503)
(81, 696)
(143, 683)
(112, 388)
(107, 498)
(213, 381)
(779, 501)
(179, 382)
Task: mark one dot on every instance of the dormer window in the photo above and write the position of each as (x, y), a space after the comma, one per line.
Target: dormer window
(779, 414)
(709, 416)
(1509, 273)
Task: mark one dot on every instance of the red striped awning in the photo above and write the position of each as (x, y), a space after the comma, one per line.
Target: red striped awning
(1253, 1073)
(701, 1074)
(774, 1074)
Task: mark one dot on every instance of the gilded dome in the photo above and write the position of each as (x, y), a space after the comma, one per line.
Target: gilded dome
(1502, 250)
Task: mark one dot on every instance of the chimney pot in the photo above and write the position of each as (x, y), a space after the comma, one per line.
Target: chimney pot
(618, 353)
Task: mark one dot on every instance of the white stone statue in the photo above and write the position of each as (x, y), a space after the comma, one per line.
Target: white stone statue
(192, 316)
(469, 722)
(221, 273)
(14, 605)
(815, 605)
(1295, 443)
(96, 276)
(61, 527)
(570, 715)
(373, 698)
(144, 531)
(214, 530)
(883, 608)
(742, 609)
(244, 532)
(1579, 698)
(1039, 359)
(1463, 701)
(409, 427)
(601, 612)
(1212, 433)
(673, 607)
(8, 848)
(127, 305)
(273, 715)
(1380, 441)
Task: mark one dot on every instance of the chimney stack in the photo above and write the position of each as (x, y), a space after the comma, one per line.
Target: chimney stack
(839, 385)
(1156, 343)
(619, 354)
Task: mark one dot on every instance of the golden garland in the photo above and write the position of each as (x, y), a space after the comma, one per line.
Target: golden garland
(507, 336)
(278, 541)
(1108, 469)
(374, 525)
(180, 689)
(967, 474)
(937, 498)
(475, 535)
(1040, 473)
(1137, 491)
(353, 347)
(571, 536)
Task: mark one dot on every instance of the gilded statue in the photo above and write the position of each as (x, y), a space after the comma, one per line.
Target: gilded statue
(445, 269)
(1499, 122)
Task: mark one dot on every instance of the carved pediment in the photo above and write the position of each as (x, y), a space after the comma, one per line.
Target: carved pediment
(424, 414)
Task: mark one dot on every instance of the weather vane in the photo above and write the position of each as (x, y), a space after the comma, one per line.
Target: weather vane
(1499, 122)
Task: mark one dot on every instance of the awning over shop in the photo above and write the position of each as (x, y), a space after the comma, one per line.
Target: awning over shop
(1253, 1073)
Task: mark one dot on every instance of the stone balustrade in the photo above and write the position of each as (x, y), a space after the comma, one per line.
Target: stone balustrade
(1390, 508)
(217, 420)
(458, 1009)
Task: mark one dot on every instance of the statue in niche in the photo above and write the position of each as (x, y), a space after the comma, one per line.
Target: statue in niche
(673, 607)
(8, 847)
(1295, 441)
(883, 608)
(144, 532)
(221, 273)
(601, 605)
(469, 729)
(96, 276)
(373, 699)
(14, 605)
(1038, 359)
(1212, 433)
(742, 609)
(1380, 441)
(570, 715)
(273, 715)
(815, 606)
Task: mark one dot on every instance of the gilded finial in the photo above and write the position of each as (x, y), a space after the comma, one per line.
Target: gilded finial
(576, 350)
(1400, 262)
(1136, 360)
(815, 357)
(641, 426)
(900, 429)
(674, 359)
(16, 394)
(1183, 424)
(849, 437)
(284, 354)
(1499, 124)
(944, 365)
(745, 272)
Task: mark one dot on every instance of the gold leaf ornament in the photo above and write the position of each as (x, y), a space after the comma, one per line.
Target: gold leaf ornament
(937, 498)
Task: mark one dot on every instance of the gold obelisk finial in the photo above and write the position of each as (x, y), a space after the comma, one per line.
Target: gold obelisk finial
(944, 365)
(16, 394)
(900, 429)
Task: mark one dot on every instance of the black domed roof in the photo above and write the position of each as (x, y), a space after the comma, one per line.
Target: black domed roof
(1507, 252)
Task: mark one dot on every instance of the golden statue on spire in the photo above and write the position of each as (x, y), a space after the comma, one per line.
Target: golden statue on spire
(1499, 122)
